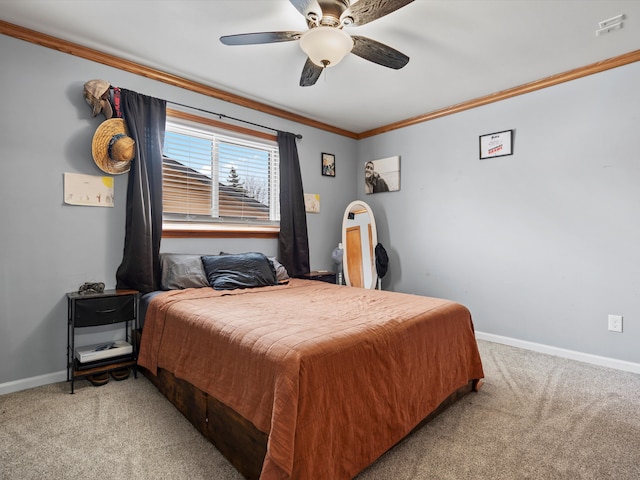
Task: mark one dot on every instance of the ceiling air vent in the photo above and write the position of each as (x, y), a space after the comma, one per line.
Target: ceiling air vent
(609, 25)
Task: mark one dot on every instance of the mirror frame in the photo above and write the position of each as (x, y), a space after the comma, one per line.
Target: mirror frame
(355, 206)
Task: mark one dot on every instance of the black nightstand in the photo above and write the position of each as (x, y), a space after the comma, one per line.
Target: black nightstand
(94, 309)
(322, 275)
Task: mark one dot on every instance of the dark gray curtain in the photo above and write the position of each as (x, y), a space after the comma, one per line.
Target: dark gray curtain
(145, 118)
(293, 242)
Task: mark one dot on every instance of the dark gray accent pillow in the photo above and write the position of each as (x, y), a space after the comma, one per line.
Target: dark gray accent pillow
(181, 270)
(281, 271)
(244, 270)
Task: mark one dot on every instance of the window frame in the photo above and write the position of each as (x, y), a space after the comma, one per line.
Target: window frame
(217, 230)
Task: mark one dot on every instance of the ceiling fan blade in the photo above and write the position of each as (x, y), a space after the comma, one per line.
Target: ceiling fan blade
(379, 53)
(258, 38)
(310, 74)
(365, 11)
(306, 7)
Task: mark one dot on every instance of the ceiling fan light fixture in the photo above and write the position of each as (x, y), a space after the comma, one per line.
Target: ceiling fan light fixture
(326, 46)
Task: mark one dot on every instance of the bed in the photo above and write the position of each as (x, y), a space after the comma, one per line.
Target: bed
(303, 379)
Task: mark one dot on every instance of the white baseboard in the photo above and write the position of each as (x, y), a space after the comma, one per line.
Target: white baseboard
(61, 376)
(31, 382)
(561, 352)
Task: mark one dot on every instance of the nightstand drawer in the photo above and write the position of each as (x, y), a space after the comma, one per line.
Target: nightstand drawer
(101, 311)
(322, 276)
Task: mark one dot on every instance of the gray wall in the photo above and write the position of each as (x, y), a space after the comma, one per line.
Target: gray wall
(48, 248)
(541, 245)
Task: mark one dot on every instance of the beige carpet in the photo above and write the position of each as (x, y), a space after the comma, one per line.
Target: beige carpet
(536, 417)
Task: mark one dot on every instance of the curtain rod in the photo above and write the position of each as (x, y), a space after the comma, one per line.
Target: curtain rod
(222, 115)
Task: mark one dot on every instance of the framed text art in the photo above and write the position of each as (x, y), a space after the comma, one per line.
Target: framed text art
(499, 144)
(328, 165)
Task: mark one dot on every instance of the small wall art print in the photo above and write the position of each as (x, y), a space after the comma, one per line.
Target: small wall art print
(382, 175)
(88, 190)
(312, 203)
(499, 144)
(328, 165)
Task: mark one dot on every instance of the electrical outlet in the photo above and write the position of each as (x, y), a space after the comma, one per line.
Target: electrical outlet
(615, 323)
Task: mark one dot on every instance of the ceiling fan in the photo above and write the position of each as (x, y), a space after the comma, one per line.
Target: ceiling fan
(326, 42)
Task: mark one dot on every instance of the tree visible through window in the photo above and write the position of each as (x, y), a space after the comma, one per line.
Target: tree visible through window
(234, 179)
(211, 177)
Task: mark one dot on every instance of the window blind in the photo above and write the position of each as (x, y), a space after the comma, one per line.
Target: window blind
(209, 176)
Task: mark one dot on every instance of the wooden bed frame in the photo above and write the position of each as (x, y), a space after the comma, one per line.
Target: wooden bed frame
(259, 430)
(235, 437)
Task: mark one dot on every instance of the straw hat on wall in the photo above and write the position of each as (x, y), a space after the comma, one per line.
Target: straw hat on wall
(112, 148)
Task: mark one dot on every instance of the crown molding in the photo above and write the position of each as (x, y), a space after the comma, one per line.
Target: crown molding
(574, 74)
(54, 43)
(64, 46)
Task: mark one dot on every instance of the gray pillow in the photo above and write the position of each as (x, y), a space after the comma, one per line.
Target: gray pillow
(281, 271)
(244, 270)
(181, 270)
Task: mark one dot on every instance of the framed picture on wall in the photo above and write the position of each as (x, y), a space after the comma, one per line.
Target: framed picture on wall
(382, 175)
(499, 144)
(328, 165)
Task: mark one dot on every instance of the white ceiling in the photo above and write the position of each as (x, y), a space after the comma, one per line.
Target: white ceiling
(459, 49)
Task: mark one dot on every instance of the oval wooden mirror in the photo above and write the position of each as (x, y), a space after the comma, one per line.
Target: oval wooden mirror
(359, 239)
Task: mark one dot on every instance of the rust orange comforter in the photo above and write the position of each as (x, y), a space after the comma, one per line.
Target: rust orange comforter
(334, 375)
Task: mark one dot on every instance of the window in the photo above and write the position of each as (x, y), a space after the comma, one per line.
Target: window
(216, 179)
